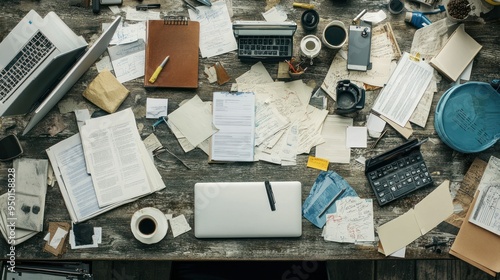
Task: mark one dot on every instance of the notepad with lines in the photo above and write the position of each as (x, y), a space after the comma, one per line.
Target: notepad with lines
(178, 38)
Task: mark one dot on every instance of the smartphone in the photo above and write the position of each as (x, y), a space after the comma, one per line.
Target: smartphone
(359, 46)
(10, 148)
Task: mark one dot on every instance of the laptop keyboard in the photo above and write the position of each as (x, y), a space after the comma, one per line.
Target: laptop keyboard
(266, 47)
(30, 56)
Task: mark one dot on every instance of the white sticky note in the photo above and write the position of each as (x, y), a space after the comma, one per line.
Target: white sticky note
(179, 225)
(156, 108)
(58, 236)
(356, 136)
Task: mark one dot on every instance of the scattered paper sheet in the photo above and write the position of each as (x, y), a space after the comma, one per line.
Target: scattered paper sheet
(256, 75)
(375, 125)
(356, 137)
(352, 222)
(328, 187)
(399, 253)
(104, 64)
(334, 133)
(179, 225)
(275, 14)
(57, 238)
(216, 29)
(129, 33)
(426, 215)
(133, 15)
(486, 211)
(128, 60)
(156, 107)
(193, 120)
(374, 17)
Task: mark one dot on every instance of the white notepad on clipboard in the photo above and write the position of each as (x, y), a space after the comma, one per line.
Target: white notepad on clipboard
(242, 209)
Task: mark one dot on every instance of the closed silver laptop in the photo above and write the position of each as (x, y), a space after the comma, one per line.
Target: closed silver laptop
(243, 209)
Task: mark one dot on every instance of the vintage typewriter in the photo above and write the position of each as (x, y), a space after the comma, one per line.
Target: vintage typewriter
(265, 41)
(398, 172)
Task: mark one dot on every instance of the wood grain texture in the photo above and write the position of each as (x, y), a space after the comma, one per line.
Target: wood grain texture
(177, 198)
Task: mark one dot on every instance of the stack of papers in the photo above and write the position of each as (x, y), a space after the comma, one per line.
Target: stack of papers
(285, 124)
(104, 167)
(23, 206)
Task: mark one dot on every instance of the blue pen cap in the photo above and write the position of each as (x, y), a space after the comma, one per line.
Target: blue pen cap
(467, 117)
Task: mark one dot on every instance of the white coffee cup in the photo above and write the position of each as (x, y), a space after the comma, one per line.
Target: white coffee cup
(334, 35)
(149, 225)
(310, 46)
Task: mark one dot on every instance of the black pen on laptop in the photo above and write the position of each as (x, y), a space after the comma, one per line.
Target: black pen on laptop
(270, 195)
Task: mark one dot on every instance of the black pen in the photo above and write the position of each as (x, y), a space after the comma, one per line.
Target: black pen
(144, 7)
(270, 195)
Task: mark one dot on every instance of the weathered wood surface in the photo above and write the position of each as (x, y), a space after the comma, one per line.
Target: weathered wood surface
(177, 198)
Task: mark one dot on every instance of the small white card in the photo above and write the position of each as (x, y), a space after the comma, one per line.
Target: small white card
(156, 108)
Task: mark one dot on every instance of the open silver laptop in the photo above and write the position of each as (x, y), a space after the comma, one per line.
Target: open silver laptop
(73, 75)
(243, 209)
(35, 54)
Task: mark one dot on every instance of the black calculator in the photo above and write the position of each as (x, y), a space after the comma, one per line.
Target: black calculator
(398, 172)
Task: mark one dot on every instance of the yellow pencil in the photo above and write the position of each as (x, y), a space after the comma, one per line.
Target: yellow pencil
(158, 70)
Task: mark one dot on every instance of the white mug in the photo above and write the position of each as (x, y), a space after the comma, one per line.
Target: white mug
(335, 35)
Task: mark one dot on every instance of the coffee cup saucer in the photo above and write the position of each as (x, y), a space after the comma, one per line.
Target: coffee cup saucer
(161, 225)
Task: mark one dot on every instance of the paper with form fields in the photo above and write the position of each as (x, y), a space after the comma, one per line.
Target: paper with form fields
(402, 93)
(118, 161)
(234, 117)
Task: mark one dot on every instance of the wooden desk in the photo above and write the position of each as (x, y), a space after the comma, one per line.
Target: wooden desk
(118, 241)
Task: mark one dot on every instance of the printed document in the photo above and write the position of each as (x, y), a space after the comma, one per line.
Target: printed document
(234, 116)
(117, 159)
(402, 93)
(77, 189)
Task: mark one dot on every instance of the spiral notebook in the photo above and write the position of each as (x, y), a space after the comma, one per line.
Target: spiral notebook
(178, 38)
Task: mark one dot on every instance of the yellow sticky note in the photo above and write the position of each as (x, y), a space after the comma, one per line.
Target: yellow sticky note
(318, 163)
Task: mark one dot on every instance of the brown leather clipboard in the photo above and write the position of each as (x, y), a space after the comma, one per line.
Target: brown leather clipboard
(178, 38)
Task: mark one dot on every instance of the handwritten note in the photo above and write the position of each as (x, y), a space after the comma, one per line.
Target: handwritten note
(353, 221)
(216, 29)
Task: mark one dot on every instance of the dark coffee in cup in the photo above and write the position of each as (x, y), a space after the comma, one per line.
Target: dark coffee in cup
(335, 35)
(147, 226)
